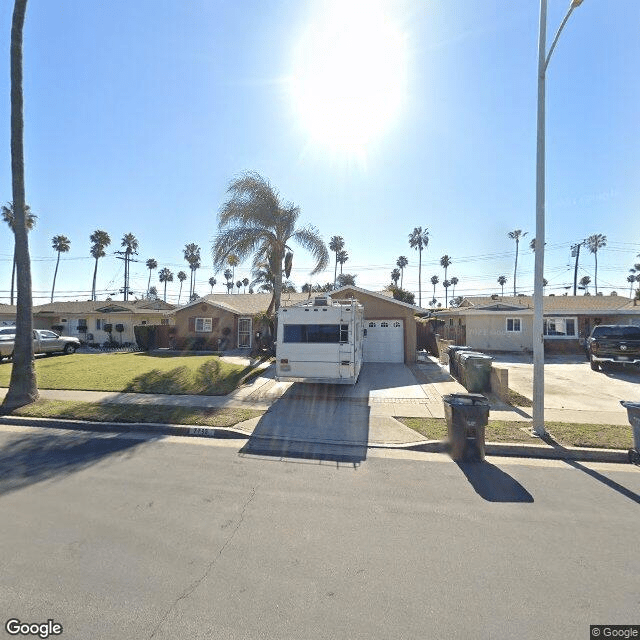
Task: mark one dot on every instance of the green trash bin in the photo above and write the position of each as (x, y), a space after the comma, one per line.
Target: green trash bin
(467, 415)
(453, 351)
(633, 415)
(475, 371)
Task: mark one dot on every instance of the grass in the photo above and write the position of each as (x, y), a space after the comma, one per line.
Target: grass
(600, 436)
(516, 399)
(98, 412)
(136, 372)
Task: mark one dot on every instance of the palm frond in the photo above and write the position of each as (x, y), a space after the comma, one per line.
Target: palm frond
(310, 239)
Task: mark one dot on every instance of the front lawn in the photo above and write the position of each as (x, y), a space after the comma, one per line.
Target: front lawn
(135, 372)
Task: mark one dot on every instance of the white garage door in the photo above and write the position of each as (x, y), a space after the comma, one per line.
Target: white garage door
(384, 341)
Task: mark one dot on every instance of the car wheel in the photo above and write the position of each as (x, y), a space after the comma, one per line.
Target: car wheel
(593, 363)
(69, 348)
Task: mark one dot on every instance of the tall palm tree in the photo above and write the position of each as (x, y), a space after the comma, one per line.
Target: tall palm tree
(245, 284)
(454, 282)
(165, 275)
(584, 283)
(342, 257)
(254, 221)
(395, 276)
(100, 240)
(419, 239)
(130, 244)
(9, 217)
(182, 276)
(595, 242)
(516, 235)
(336, 244)
(23, 388)
(446, 284)
(228, 276)
(502, 280)
(152, 265)
(445, 261)
(192, 256)
(401, 263)
(434, 282)
(631, 278)
(233, 261)
(61, 244)
(212, 283)
(239, 285)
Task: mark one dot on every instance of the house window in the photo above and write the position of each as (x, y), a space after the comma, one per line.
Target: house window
(144, 322)
(203, 325)
(560, 327)
(82, 322)
(514, 325)
(164, 320)
(244, 333)
(372, 324)
(99, 324)
(316, 333)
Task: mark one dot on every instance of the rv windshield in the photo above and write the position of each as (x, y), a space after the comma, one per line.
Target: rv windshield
(317, 333)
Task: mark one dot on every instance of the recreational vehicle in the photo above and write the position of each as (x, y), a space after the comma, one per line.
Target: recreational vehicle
(320, 340)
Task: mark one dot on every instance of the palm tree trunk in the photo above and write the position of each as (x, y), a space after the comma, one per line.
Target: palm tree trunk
(595, 275)
(515, 270)
(149, 283)
(13, 272)
(180, 292)
(55, 275)
(335, 272)
(22, 387)
(401, 276)
(165, 290)
(93, 288)
(419, 276)
(446, 290)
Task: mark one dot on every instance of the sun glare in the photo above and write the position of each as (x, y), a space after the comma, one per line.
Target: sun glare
(350, 75)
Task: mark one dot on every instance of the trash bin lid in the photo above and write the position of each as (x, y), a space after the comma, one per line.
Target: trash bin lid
(456, 347)
(465, 399)
(475, 355)
(628, 404)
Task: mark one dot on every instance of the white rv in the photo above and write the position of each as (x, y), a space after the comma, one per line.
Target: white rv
(320, 340)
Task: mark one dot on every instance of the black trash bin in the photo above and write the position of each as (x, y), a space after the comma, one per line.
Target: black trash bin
(633, 415)
(467, 416)
(453, 362)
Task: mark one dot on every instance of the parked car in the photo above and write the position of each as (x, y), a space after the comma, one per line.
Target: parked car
(616, 343)
(44, 341)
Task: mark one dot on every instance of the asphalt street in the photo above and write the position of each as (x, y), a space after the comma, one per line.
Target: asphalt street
(118, 536)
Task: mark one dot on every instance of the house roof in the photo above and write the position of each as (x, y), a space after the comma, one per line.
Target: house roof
(248, 304)
(552, 304)
(145, 307)
(381, 296)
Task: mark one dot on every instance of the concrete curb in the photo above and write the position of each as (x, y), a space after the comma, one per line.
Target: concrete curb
(427, 446)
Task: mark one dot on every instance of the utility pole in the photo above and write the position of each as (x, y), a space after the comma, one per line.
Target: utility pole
(575, 253)
(123, 255)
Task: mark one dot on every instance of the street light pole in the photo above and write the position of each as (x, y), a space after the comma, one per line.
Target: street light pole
(538, 286)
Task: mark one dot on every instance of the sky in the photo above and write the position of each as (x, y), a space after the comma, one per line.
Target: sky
(374, 118)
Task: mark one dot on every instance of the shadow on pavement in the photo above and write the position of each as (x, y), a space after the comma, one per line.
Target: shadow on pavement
(493, 484)
(32, 458)
(313, 427)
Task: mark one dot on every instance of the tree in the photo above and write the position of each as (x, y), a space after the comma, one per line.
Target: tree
(419, 240)
(401, 263)
(182, 276)
(288, 287)
(254, 221)
(445, 261)
(191, 253)
(233, 262)
(9, 217)
(434, 282)
(152, 293)
(152, 265)
(23, 388)
(342, 257)
(61, 244)
(212, 283)
(165, 276)
(454, 282)
(346, 280)
(595, 242)
(631, 279)
(404, 296)
(245, 283)
(502, 280)
(395, 276)
(228, 276)
(516, 235)
(100, 240)
(584, 283)
(130, 244)
(336, 244)
(457, 301)
(446, 284)
(239, 285)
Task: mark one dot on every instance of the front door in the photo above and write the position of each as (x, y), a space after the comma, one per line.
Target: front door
(244, 333)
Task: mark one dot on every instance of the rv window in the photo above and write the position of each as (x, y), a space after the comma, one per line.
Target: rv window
(316, 333)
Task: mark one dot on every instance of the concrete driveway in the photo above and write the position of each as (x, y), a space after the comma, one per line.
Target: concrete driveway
(571, 386)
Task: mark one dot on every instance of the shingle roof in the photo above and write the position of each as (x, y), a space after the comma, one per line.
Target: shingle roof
(575, 304)
(378, 294)
(88, 306)
(245, 303)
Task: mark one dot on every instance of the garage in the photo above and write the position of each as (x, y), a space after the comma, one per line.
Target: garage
(384, 341)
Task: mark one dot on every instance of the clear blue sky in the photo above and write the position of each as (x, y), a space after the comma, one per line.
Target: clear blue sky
(138, 114)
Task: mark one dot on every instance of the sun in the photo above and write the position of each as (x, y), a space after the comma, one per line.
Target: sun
(349, 78)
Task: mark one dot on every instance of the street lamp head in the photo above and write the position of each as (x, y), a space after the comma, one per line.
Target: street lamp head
(575, 3)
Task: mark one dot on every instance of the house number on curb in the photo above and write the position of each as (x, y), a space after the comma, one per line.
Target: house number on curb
(202, 431)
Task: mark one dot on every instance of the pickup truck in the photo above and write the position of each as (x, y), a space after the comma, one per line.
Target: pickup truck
(613, 344)
(44, 341)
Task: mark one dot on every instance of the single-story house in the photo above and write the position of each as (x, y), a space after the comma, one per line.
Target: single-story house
(7, 315)
(89, 320)
(231, 321)
(505, 324)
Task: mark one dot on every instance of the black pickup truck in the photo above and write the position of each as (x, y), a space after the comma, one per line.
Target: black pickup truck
(613, 344)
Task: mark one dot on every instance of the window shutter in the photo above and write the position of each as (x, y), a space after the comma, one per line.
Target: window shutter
(192, 324)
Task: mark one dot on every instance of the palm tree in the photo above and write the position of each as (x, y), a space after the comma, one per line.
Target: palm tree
(502, 280)
(165, 276)
(245, 284)
(631, 278)
(191, 253)
(212, 283)
(239, 285)
(255, 221)
(434, 282)
(152, 265)
(233, 262)
(228, 276)
(446, 284)
(23, 388)
(595, 242)
(532, 244)
(61, 244)
(419, 240)
(401, 263)
(182, 276)
(9, 217)
(336, 244)
(130, 244)
(454, 282)
(516, 235)
(584, 283)
(395, 276)
(99, 241)
(342, 257)
(445, 261)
